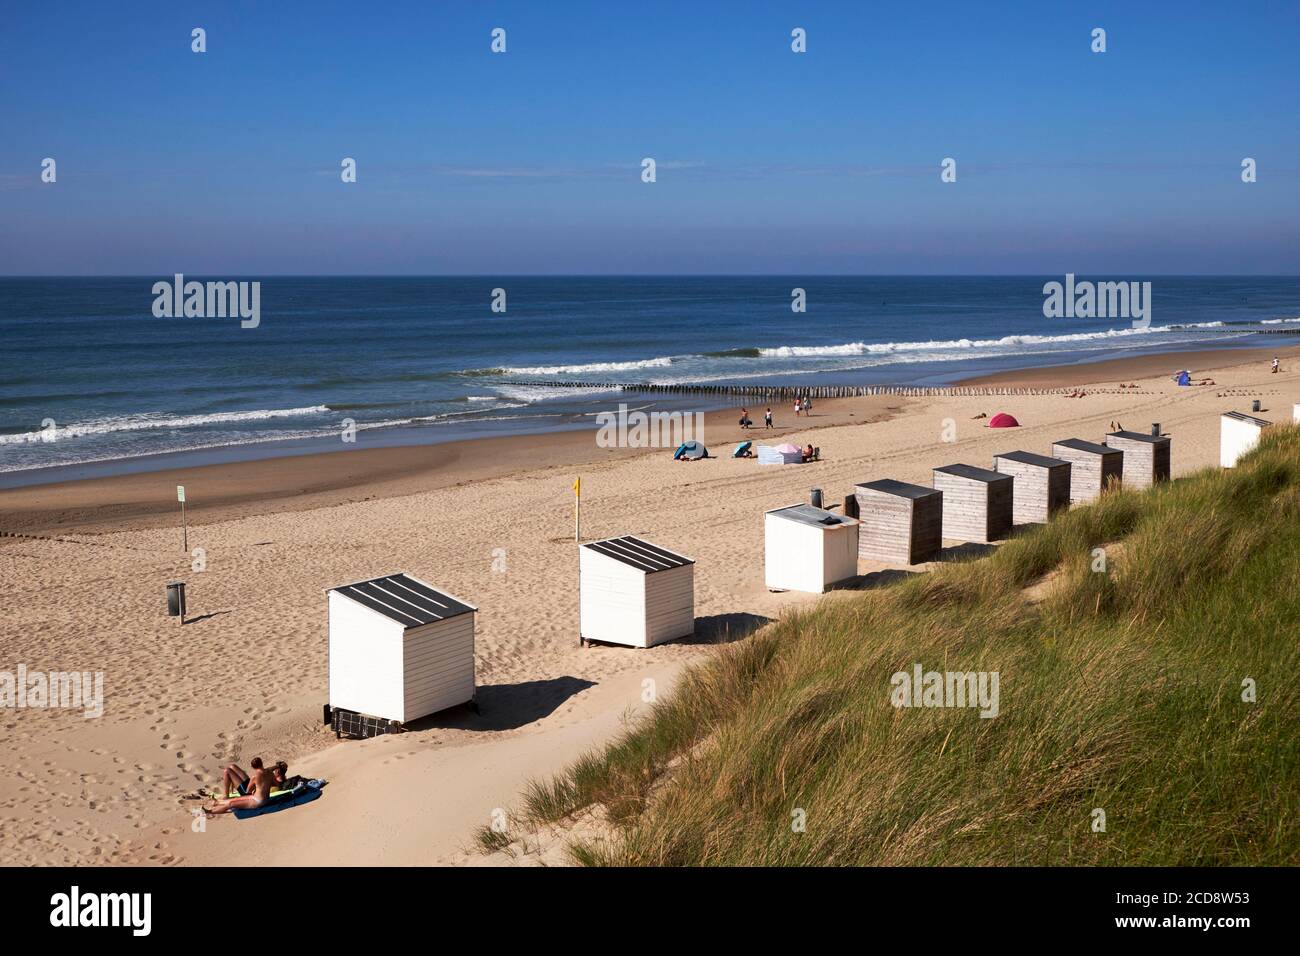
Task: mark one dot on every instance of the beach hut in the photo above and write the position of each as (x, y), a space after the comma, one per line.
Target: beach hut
(1146, 457)
(786, 454)
(399, 649)
(1092, 467)
(977, 503)
(898, 522)
(808, 549)
(1238, 434)
(634, 592)
(1041, 485)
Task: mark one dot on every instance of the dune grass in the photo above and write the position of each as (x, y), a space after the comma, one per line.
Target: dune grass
(1121, 691)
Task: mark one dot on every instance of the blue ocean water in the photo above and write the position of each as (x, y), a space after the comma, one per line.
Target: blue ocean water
(87, 373)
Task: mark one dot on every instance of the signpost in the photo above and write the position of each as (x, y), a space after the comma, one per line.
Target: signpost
(185, 531)
(577, 537)
(577, 509)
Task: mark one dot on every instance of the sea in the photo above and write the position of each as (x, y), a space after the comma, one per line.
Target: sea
(93, 382)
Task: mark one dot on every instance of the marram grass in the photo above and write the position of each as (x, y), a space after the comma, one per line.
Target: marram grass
(1121, 693)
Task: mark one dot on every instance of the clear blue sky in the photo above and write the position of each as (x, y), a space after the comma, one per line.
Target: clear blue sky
(769, 161)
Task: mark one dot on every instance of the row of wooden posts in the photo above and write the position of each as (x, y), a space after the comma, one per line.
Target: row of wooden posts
(791, 392)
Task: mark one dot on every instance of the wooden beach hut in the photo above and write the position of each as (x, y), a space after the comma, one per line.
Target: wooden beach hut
(977, 502)
(1238, 434)
(1041, 485)
(1146, 457)
(1092, 467)
(898, 522)
(399, 649)
(808, 549)
(634, 592)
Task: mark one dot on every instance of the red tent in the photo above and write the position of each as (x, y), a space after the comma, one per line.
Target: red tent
(1003, 420)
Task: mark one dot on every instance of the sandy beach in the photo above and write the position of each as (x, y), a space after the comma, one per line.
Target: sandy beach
(83, 567)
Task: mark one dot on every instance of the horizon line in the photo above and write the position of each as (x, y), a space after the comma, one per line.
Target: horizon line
(658, 275)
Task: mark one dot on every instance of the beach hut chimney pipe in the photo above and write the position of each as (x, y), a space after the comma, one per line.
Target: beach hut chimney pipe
(1155, 429)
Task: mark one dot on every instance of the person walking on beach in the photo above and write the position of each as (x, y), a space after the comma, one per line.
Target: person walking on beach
(798, 406)
(1276, 366)
(807, 404)
(744, 418)
(767, 417)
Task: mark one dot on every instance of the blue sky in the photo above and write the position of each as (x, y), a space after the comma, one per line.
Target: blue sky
(227, 162)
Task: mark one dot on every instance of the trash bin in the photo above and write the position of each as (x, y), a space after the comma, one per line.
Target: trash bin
(1254, 406)
(176, 599)
(815, 498)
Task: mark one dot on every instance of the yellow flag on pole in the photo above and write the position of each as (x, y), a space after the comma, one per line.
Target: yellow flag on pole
(577, 509)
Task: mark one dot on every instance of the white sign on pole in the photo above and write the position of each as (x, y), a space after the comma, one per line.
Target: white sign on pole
(180, 492)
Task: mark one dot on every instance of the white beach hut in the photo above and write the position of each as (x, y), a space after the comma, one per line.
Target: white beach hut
(808, 549)
(633, 592)
(399, 649)
(1238, 434)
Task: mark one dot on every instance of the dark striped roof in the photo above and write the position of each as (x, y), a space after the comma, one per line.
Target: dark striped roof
(1078, 444)
(1243, 417)
(403, 599)
(972, 473)
(889, 486)
(639, 554)
(1029, 458)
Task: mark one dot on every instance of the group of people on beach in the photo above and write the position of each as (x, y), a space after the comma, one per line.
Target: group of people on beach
(252, 789)
(802, 406)
(1184, 377)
